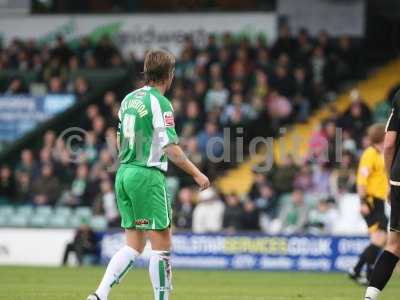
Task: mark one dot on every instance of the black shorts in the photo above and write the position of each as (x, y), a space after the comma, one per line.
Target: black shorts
(395, 208)
(376, 219)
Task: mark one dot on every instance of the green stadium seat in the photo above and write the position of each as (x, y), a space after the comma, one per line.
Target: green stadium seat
(83, 212)
(99, 223)
(75, 221)
(40, 220)
(63, 211)
(3, 221)
(7, 210)
(44, 210)
(26, 210)
(59, 221)
(18, 221)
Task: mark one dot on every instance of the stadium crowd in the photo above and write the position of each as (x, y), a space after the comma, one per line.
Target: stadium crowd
(229, 83)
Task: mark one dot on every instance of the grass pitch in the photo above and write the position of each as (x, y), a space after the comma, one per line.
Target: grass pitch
(22, 283)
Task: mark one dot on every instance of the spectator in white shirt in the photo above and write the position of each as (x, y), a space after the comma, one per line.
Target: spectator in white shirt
(216, 97)
(109, 203)
(209, 212)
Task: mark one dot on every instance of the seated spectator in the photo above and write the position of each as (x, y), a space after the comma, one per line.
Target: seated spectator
(56, 85)
(259, 179)
(55, 69)
(210, 132)
(105, 163)
(7, 184)
(322, 143)
(184, 209)
(232, 214)
(199, 90)
(91, 147)
(84, 50)
(301, 83)
(323, 218)
(111, 145)
(301, 108)
(343, 178)
(304, 178)
(285, 43)
(192, 120)
(92, 112)
(319, 68)
(46, 188)
(61, 51)
(104, 51)
(356, 118)
(27, 164)
(349, 144)
(208, 213)
(217, 97)
(15, 87)
(84, 245)
(99, 127)
(283, 175)
(73, 64)
(185, 66)
(324, 41)
(279, 108)
(45, 157)
(261, 87)
(267, 202)
(237, 113)
(250, 216)
(77, 192)
(282, 82)
(49, 139)
(241, 67)
(321, 179)
(293, 216)
(23, 193)
(304, 47)
(81, 88)
(347, 59)
(266, 205)
(264, 61)
(107, 202)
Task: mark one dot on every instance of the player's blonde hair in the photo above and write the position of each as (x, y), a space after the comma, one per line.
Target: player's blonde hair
(158, 66)
(376, 133)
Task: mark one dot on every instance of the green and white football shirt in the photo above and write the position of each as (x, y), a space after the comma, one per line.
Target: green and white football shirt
(146, 127)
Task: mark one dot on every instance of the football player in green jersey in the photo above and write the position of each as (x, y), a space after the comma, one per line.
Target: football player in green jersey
(146, 139)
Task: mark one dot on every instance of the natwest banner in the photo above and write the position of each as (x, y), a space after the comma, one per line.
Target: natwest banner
(139, 32)
(255, 251)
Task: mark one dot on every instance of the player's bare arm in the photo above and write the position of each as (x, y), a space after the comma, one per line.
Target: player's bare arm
(364, 209)
(178, 157)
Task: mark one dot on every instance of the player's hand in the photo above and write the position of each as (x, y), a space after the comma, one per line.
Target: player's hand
(364, 209)
(202, 180)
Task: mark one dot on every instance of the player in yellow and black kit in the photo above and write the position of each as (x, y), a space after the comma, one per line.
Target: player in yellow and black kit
(372, 187)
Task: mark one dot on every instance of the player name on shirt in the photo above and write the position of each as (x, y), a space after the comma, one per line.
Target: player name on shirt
(136, 104)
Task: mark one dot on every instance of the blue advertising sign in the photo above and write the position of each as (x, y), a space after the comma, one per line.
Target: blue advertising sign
(255, 251)
(21, 113)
